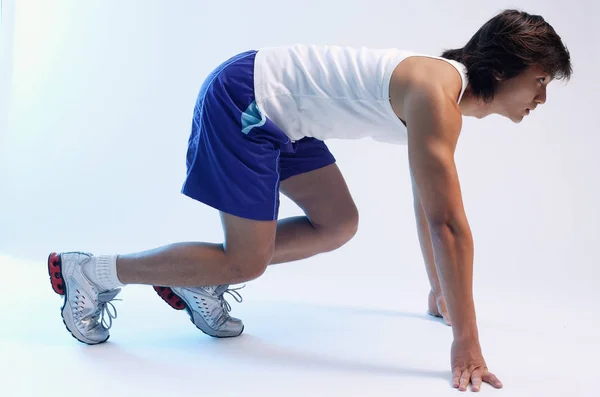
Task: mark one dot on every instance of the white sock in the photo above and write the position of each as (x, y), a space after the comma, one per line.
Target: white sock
(102, 270)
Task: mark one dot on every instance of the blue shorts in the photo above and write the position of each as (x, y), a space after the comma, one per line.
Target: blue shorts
(236, 156)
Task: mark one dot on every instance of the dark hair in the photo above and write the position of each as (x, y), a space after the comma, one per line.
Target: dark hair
(508, 44)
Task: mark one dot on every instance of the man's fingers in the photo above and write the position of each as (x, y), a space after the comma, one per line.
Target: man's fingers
(464, 380)
(443, 310)
(434, 313)
(490, 378)
(456, 377)
(446, 318)
(476, 379)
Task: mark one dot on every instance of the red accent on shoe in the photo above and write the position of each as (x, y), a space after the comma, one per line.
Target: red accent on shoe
(168, 296)
(55, 273)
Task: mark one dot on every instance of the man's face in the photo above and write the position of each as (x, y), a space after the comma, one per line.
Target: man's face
(518, 96)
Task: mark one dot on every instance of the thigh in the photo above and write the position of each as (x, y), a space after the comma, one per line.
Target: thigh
(306, 155)
(323, 195)
(247, 239)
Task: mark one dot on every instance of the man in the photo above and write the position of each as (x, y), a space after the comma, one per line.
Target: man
(258, 129)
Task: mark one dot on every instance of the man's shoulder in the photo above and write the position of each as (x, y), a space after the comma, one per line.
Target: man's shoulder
(431, 84)
(431, 74)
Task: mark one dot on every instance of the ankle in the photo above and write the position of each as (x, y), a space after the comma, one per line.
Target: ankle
(102, 271)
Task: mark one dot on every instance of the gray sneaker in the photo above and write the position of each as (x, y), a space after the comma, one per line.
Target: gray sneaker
(85, 306)
(207, 307)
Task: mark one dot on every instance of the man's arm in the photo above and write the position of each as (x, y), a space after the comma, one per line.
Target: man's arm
(434, 124)
(425, 240)
(436, 304)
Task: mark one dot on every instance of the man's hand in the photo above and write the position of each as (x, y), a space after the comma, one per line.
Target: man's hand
(468, 366)
(437, 307)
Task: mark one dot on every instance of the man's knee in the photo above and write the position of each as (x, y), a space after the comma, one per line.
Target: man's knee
(249, 265)
(348, 226)
(340, 230)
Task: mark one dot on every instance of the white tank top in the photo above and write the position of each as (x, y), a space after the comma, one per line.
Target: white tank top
(332, 91)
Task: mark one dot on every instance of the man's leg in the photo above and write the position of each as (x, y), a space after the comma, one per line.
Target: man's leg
(331, 216)
(88, 283)
(247, 250)
(331, 220)
(208, 269)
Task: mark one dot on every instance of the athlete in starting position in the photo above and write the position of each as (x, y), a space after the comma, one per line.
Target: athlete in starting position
(259, 126)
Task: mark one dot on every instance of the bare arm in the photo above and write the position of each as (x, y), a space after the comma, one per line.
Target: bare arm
(434, 124)
(425, 241)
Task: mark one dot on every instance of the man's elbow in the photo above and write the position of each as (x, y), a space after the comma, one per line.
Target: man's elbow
(448, 222)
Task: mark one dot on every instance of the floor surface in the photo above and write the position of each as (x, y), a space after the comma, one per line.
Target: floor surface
(306, 335)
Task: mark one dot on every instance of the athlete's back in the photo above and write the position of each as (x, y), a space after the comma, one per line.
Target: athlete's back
(332, 91)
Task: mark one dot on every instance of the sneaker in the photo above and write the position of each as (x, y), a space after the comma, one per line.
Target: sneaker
(207, 307)
(85, 306)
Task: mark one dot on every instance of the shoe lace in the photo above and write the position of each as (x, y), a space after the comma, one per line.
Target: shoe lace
(233, 292)
(104, 304)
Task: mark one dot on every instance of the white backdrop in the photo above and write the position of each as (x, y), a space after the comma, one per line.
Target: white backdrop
(97, 99)
(102, 93)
